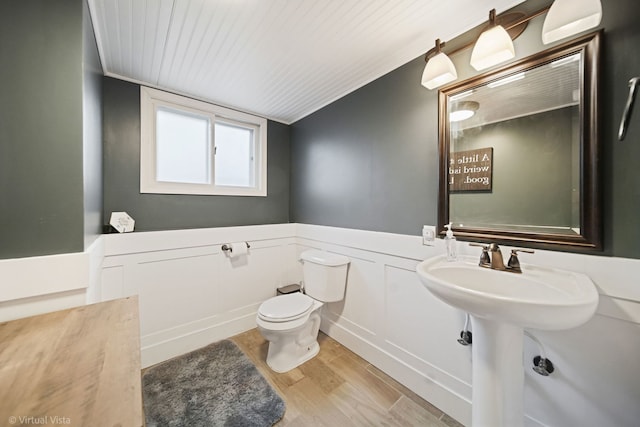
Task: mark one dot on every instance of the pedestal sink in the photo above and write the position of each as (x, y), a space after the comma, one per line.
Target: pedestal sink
(501, 305)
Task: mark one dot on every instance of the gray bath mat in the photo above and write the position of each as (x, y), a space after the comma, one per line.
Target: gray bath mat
(214, 386)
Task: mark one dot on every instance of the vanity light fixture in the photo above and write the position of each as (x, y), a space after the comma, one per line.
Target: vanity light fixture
(569, 17)
(439, 69)
(463, 111)
(494, 46)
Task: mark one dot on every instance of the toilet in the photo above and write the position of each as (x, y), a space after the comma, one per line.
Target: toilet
(291, 322)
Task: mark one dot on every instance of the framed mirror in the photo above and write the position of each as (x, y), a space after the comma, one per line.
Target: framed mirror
(519, 151)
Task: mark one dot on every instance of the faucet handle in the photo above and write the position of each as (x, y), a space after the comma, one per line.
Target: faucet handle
(514, 262)
(485, 261)
(480, 245)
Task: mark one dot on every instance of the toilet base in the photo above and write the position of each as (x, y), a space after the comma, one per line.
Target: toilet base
(291, 348)
(281, 361)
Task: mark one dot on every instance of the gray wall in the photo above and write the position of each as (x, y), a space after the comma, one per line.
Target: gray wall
(92, 131)
(369, 160)
(121, 127)
(41, 165)
(621, 180)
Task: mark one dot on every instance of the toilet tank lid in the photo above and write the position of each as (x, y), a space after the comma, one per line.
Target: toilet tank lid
(324, 258)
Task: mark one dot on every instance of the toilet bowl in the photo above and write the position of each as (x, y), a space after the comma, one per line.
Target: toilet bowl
(291, 326)
(291, 322)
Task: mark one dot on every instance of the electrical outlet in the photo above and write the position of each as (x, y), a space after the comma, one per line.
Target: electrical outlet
(428, 235)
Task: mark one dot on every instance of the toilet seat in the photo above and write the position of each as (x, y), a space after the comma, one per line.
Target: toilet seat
(285, 308)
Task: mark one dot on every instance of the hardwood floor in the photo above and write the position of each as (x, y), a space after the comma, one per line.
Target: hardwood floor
(338, 388)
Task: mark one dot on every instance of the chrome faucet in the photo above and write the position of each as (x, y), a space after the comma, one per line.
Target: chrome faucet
(491, 257)
(497, 262)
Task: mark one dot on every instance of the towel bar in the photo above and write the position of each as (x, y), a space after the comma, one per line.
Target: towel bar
(626, 115)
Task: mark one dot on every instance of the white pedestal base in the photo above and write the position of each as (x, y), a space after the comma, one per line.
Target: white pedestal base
(498, 374)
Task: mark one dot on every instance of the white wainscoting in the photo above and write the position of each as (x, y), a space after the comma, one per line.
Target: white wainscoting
(190, 292)
(391, 320)
(36, 285)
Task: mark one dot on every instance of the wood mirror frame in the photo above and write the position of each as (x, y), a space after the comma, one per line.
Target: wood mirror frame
(589, 236)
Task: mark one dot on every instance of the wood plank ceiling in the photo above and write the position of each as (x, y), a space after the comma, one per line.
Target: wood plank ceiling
(280, 59)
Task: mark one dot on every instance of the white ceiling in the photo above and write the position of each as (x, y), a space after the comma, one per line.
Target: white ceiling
(280, 59)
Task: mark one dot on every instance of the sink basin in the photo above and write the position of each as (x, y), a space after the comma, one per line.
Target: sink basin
(539, 298)
(501, 305)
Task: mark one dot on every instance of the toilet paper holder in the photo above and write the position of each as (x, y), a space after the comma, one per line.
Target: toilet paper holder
(226, 247)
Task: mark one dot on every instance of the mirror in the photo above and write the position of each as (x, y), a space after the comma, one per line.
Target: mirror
(519, 151)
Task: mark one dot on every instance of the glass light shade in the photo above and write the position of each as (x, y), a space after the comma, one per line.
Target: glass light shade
(438, 71)
(493, 47)
(460, 115)
(463, 111)
(568, 17)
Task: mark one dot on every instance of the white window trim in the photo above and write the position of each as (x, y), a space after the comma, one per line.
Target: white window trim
(150, 100)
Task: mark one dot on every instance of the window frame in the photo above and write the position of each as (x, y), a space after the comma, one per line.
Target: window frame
(152, 99)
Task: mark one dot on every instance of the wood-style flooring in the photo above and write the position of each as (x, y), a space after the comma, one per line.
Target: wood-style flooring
(338, 388)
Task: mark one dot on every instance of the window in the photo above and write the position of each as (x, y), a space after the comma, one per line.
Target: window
(192, 147)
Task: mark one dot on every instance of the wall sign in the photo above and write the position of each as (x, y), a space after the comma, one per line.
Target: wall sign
(471, 170)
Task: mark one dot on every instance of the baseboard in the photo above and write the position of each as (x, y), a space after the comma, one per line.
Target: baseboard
(39, 304)
(437, 394)
(160, 351)
(434, 392)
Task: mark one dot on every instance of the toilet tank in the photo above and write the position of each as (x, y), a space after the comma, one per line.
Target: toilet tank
(325, 275)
